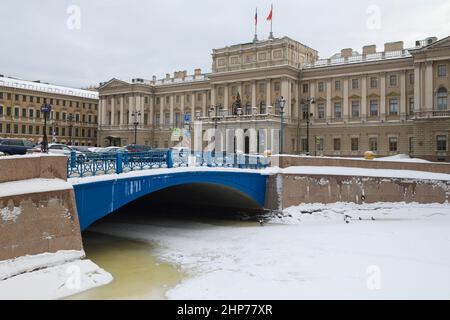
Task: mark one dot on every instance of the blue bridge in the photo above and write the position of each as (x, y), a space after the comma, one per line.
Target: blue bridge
(104, 183)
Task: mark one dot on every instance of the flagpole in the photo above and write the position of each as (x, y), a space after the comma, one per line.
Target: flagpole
(271, 23)
(256, 26)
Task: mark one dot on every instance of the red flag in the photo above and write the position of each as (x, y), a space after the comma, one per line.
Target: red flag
(256, 16)
(269, 18)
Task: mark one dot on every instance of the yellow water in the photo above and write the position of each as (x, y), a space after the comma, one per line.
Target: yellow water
(137, 273)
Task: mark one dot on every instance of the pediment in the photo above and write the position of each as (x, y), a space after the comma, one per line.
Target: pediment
(113, 83)
(355, 96)
(440, 44)
(393, 94)
(373, 95)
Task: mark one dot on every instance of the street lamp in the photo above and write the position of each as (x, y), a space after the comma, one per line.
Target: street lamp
(309, 115)
(46, 109)
(215, 109)
(135, 114)
(281, 103)
(70, 120)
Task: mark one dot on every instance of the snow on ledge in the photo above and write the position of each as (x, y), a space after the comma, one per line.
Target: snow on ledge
(49, 276)
(360, 172)
(29, 186)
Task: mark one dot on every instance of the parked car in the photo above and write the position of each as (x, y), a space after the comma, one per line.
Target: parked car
(57, 148)
(15, 146)
(138, 148)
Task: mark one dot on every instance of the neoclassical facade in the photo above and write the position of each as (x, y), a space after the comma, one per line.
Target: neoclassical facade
(73, 118)
(390, 101)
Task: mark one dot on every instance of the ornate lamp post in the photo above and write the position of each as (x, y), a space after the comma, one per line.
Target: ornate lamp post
(281, 103)
(216, 117)
(45, 109)
(135, 114)
(308, 103)
(70, 121)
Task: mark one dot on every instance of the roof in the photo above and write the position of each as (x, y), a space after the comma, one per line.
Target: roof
(47, 88)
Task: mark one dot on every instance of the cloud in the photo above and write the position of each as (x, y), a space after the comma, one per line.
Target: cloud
(141, 38)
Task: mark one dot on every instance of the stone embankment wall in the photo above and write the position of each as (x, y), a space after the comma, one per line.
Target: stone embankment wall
(286, 190)
(34, 222)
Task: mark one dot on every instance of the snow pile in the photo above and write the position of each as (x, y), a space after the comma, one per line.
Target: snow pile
(49, 276)
(12, 214)
(402, 158)
(318, 257)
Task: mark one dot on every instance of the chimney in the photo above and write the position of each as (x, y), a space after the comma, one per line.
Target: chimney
(345, 53)
(154, 78)
(167, 76)
(393, 46)
(370, 49)
(198, 72)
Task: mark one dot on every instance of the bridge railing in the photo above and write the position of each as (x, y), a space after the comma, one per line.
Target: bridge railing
(120, 162)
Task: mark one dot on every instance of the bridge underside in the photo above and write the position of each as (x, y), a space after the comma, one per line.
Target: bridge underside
(213, 190)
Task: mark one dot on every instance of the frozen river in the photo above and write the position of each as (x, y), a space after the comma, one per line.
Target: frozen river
(336, 251)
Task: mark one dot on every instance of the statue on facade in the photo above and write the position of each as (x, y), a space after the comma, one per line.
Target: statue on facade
(236, 105)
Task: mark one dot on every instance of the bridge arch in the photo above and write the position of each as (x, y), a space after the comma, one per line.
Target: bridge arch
(98, 198)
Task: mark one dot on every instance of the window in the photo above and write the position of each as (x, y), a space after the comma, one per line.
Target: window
(374, 82)
(393, 81)
(158, 100)
(355, 109)
(337, 85)
(305, 112)
(355, 83)
(411, 105)
(177, 97)
(167, 100)
(321, 111)
(412, 143)
(24, 129)
(442, 101)
(8, 128)
(321, 87)
(305, 88)
(373, 144)
(38, 130)
(63, 132)
(304, 144)
(441, 143)
(442, 70)
(411, 78)
(31, 113)
(393, 142)
(337, 144)
(157, 119)
(393, 107)
(234, 60)
(16, 129)
(338, 110)
(167, 118)
(320, 142)
(1, 111)
(262, 56)
(355, 144)
(16, 112)
(374, 108)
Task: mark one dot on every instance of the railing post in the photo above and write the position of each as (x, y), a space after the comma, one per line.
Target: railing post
(119, 162)
(73, 159)
(169, 159)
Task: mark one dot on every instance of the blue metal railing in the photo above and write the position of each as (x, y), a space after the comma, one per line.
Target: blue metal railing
(120, 162)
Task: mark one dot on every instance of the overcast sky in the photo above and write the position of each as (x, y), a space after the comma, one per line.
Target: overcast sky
(141, 38)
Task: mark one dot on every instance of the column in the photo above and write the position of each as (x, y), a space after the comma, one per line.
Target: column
(226, 99)
(268, 94)
(383, 106)
(254, 108)
(103, 111)
(162, 100)
(345, 106)
(285, 94)
(142, 109)
(152, 106)
(130, 110)
(328, 111)
(193, 97)
(171, 111)
(213, 95)
(429, 85)
(182, 108)
(113, 111)
(121, 111)
(417, 88)
(364, 98)
(205, 109)
(403, 94)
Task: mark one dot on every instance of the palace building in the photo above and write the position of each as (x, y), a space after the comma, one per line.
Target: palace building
(73, 117)
(388, 101)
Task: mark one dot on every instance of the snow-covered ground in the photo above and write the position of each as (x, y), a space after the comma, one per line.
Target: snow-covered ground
(49, 276)
(396, 251)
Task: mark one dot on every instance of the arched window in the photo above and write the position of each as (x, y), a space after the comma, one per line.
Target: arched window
(442, 99)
